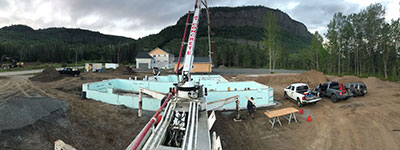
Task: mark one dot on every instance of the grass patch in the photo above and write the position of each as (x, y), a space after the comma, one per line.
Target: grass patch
(33, 66)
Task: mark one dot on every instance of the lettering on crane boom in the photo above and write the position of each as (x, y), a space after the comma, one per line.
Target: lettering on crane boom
(188, 65)
(191, 37)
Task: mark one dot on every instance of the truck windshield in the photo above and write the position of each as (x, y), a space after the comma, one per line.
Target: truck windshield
(302, 89)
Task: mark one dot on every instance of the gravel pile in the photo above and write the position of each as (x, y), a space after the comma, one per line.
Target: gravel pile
(19, 112)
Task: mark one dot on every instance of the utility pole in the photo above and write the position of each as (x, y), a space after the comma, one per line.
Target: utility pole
(119, 46)
(76, 59)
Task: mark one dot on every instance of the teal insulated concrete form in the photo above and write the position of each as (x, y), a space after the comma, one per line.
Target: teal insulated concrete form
(125, 92)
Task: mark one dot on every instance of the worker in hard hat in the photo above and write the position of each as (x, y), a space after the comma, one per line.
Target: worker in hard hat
(251, 106)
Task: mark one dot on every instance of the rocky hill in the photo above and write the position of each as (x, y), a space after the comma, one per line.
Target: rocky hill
(240, 25)
(252, 16)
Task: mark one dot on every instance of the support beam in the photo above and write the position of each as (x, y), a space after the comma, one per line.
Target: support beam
(140, 102)
(151, 93)
(222, 102)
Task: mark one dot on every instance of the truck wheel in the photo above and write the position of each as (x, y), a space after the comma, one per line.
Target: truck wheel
(285, 95)
(333, 98)
(299, 103)
(363, 92)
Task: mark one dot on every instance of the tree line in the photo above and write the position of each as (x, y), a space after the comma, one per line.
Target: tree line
(361, 43)
(67, 53)
(61, 45)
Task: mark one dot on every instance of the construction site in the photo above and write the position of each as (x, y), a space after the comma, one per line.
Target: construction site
(89, 124)
(156, 101)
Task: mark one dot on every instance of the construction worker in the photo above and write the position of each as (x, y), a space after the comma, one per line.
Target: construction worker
(251, 106)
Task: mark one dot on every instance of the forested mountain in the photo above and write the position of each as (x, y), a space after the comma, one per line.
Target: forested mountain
(238, 34)
(58, 44)
(25, 34)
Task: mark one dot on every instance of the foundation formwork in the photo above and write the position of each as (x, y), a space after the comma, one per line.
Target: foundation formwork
(125, 91)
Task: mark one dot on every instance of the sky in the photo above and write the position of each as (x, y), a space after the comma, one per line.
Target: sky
(139, 18)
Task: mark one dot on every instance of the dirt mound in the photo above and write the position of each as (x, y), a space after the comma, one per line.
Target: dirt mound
(49, 74)
(349, 79)
(19, 112)
(312, 78)
(373, 83)
(125, 70)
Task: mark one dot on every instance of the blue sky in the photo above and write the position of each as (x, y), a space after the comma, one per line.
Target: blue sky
(138, 18)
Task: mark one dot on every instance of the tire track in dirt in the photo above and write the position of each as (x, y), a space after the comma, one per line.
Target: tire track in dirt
(6, 90)
(324, 130)
(22, 88)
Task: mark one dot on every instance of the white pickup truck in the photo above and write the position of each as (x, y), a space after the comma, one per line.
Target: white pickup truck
(301, 94)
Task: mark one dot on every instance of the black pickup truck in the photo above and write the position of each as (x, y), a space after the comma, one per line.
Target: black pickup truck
(70, 71)
(334, 90)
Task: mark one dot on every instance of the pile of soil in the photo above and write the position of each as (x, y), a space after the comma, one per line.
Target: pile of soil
(19, 112)
(349, 79)
(49, 74)
(125, 70)
(312, 78)
(374, 84)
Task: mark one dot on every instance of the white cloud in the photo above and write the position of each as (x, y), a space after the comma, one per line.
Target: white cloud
(292, 5)
(136, 18)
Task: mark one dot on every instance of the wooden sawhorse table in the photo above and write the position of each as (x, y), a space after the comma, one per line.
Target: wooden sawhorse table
(275, 114)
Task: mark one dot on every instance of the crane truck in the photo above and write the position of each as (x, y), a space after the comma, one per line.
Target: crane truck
(182, 121)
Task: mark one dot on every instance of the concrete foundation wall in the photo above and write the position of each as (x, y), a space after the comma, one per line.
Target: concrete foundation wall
(218, 88)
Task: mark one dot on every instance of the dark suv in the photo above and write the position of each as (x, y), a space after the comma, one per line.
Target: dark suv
(334, 90)
(356, 89)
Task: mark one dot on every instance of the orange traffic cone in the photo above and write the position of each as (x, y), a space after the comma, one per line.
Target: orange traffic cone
(309, 119)
(300, 111)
